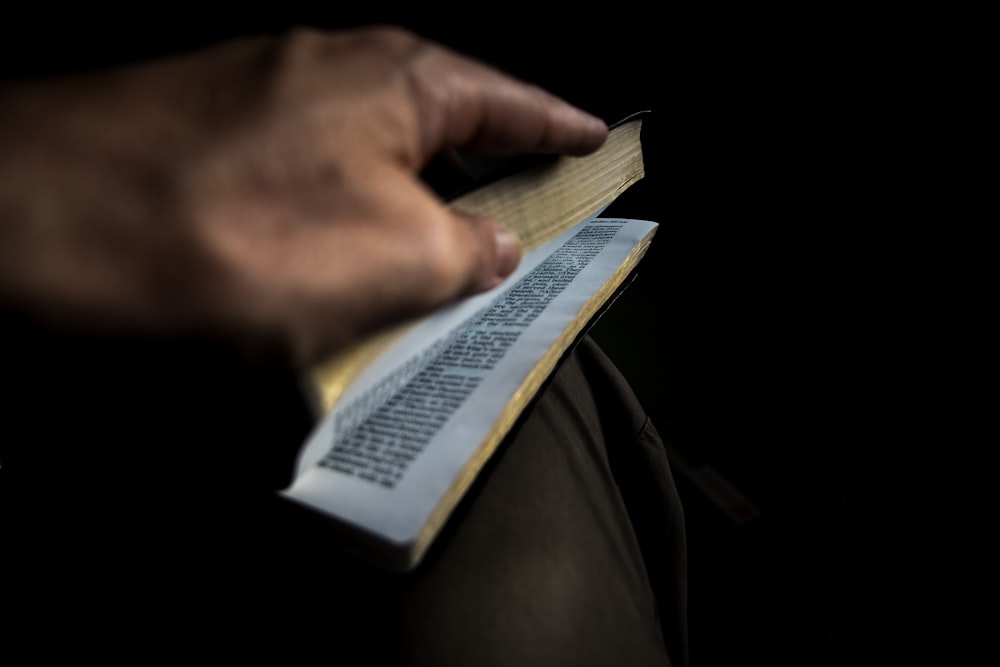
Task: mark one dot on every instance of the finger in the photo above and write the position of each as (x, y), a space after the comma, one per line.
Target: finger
(395, 253)
(410, 284)
(465, 103)
(433, 253)
(496, 255)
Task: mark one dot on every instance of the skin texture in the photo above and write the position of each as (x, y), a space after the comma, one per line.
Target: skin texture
(264, 191)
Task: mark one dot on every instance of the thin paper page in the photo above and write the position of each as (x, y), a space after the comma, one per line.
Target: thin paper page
(385, 457)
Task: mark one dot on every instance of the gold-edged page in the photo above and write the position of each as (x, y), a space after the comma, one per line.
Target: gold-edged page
(396, 454)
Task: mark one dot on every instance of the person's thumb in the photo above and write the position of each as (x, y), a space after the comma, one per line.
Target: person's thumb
(506, 256)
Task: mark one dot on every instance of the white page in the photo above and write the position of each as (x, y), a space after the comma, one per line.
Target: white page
(389, 479)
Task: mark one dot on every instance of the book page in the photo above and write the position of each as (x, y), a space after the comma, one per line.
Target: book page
(411, 429)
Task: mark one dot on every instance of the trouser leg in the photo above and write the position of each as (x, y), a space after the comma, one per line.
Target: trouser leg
(569, 549)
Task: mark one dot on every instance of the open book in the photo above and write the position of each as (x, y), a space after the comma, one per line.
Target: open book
(407, 420)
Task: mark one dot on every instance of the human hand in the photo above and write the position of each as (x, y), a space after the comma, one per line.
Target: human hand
(264, 191)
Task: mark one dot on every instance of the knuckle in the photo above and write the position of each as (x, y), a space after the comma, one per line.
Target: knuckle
(391, 38)
(295, 45)
(308, 43)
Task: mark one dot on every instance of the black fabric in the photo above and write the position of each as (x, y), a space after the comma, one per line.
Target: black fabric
(569, 550)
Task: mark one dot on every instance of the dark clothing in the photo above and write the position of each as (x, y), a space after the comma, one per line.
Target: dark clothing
(568, 550)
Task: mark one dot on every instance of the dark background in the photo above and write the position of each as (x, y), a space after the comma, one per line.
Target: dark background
(762, 332)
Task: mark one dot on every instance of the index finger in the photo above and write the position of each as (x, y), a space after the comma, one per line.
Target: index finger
(468, 104)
